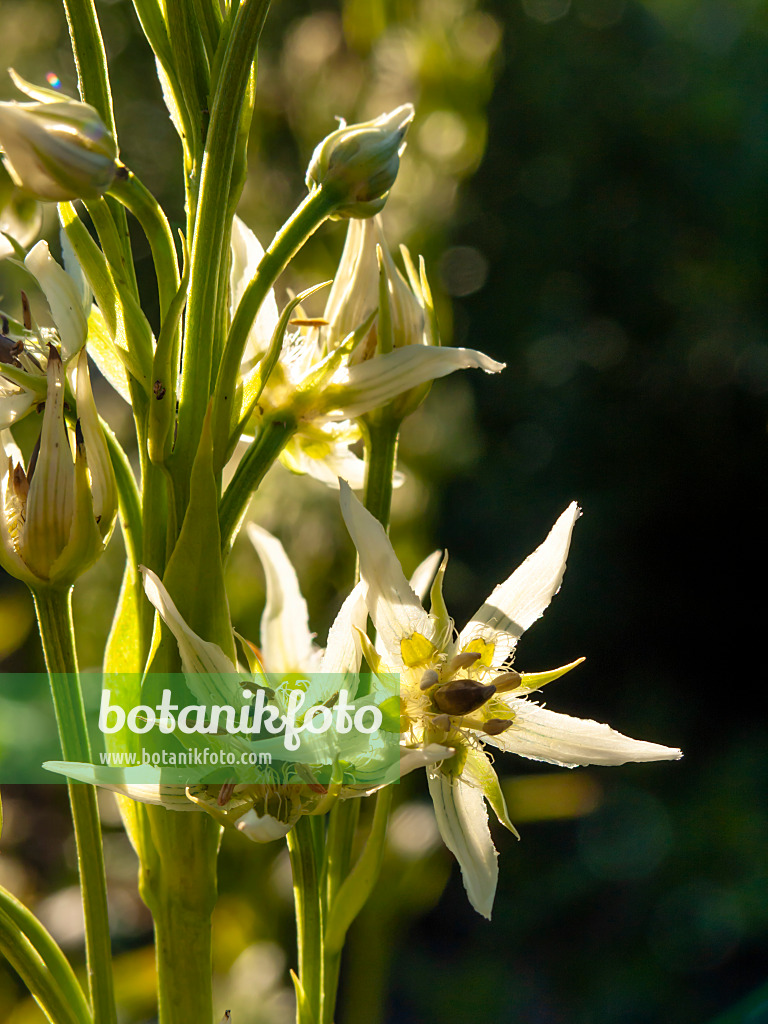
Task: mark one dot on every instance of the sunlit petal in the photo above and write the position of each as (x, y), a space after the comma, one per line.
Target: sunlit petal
(463, 822)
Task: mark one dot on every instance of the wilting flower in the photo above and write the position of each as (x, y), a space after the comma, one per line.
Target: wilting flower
(358, 163)
(320, 378)
(56, 148)
(58, 514)
(461, 691)
(24, 347)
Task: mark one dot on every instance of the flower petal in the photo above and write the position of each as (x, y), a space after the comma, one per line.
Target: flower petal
(424, 573)
(518, 602)
(64, 299)
(197, 655)
(544, 735)
(343, 652)
(412, 758)
(161, 794)
(463, 823)
(358, 389)
(285, 637)
(247, 253)
(264, 828)
(395, 610)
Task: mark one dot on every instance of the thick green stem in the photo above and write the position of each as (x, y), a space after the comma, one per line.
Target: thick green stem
(211, 234)
(179, 887)
(273, 437)
(381, 437)
(54, 614)
(302, 223)
(309, 919)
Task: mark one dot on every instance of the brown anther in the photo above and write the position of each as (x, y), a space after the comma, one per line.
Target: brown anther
(226, 791)
(496, 726)
(463, 696)
(314, 321)
(19, 481)
(158, 389)
(507, 681)
(429, 679)
(442, 722)
(53, 354)
(26, 311)
(462, 660)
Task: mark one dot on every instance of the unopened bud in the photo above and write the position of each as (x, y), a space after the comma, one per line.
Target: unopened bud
(463, 696)
(358, 163)
(57, 148)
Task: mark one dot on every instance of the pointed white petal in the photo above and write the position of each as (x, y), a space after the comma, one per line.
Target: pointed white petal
(412, 758)
(285, 637)
(197, 655)
(355, 291)
(463, 823)
(343, 653)
(338, 462)
(544, 735)
(263, 829)
(394, 608)
(358, 389)
(247, 253)
(518, 602)
(161, 794)
(424, 573)
(64, 299)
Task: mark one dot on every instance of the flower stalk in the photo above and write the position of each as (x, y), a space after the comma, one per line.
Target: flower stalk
(54, 616)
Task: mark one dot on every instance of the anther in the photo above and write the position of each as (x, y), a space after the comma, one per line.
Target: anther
(496, 726)
(430, 678)
(507, 681)
(27, 312)
(463, 696)
(462, 660)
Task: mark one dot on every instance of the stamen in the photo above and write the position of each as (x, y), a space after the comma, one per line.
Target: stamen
(463, 696)
(27, 312)
(496, 726)
(429, 679)
(507, 681)
(460, 661)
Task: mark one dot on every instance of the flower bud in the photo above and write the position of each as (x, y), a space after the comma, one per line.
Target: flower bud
(357, 164)
(56, 148)
(59, 513)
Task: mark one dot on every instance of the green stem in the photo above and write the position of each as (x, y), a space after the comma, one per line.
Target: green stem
(273, 437)
(309, 919)
(211, 235)
(179, 887)
(302, 223)
(36, 975)
(90, 58)
(381, 438)
(54, 614)
(139, 200)
(26, 924)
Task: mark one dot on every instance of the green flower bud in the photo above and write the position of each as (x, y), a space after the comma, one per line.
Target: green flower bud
(59, 513)
(358, 163)
(56, 148)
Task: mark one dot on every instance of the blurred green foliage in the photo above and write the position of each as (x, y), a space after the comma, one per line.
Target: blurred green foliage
(587, 181)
